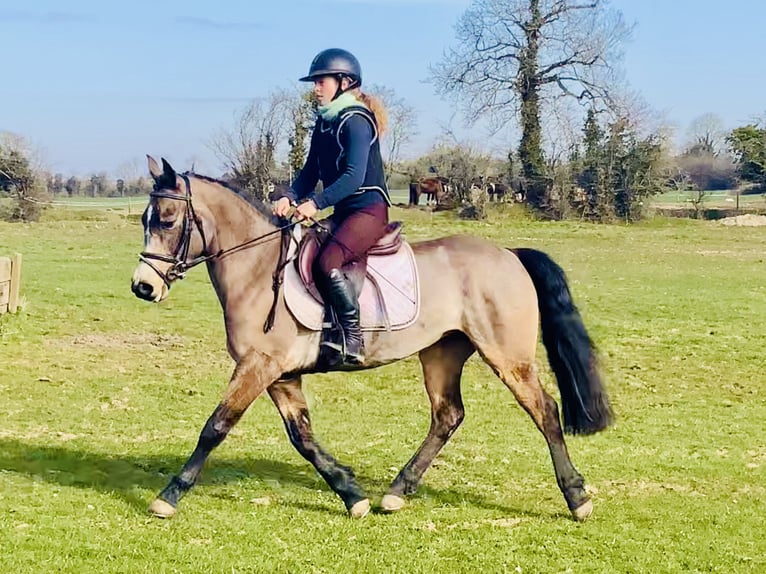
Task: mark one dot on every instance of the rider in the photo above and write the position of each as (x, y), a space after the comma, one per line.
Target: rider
(345, 155)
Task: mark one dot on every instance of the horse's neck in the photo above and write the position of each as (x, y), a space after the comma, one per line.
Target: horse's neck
(244, 273)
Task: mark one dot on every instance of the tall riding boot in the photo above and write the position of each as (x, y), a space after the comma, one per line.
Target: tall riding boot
(343, 299)
(331, 342)
(331, 345)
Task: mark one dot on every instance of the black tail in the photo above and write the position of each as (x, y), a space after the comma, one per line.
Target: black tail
(571, 354)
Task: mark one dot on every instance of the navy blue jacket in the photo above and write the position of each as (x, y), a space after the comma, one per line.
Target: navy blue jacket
(345, 154)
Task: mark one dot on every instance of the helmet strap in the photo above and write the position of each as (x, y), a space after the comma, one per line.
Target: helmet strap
(340, 91)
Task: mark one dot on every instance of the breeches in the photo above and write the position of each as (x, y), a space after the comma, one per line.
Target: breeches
(354, 235)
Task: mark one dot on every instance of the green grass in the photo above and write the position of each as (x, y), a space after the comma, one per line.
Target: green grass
(710, 199)
(102, 397)
(121, 205)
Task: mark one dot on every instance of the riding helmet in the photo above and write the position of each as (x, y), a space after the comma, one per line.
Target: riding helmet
(335, 62)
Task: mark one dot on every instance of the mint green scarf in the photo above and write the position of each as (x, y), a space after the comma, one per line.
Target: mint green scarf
(331, 110)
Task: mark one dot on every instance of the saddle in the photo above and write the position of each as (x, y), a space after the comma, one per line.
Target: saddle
(389, 244)
(389, 297)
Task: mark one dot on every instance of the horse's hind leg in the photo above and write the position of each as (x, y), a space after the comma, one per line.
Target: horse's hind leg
(251, 376)
(442, 365)
(521, 378)
(291, 403)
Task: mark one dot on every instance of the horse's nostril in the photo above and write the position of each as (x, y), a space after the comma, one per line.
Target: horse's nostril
(143, 290)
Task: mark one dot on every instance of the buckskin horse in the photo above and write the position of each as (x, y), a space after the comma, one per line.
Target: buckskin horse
(483, 299)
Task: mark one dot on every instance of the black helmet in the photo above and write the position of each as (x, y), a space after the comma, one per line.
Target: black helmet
(332, 62)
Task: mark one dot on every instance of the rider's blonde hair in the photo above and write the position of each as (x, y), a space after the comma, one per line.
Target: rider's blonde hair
(376, 106)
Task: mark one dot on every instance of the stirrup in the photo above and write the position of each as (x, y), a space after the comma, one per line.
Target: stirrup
(331, 344)
(328, 359)
(331, 349)
(334, 354)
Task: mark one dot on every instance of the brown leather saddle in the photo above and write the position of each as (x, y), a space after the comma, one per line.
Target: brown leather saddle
(313, 239)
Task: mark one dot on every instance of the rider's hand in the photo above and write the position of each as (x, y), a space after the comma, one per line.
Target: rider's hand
(282, 207)
(306, 210)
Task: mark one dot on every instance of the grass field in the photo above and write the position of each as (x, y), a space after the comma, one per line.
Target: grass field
(710, 199)
(102, 397)
(137, 203)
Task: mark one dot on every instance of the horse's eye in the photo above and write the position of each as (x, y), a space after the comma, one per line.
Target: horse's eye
(167, 224)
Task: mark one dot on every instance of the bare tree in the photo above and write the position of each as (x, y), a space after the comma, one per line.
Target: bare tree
(302, 115)
(131, 169)
(248, 150)
(402, 126)
(706, 135)
(513, 56)
(135, 180)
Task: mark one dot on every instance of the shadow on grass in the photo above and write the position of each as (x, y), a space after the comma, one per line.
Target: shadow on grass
(128, 476)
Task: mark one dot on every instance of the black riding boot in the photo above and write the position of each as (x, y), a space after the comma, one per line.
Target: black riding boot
(331, 345)
(341, 295)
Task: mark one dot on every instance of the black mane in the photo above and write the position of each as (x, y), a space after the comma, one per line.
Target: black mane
(262, 208)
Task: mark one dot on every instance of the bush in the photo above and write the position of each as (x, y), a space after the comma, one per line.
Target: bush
(708, 172)
(476, 208)
(25, 205)
(20, 181)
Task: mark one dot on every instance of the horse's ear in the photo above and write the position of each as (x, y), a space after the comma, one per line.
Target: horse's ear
(167, 170)
(154, 168)
(165, 176)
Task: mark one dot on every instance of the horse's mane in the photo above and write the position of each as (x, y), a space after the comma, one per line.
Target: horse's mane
(262, 208)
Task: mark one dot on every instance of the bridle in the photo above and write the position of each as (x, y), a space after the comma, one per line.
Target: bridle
(179, 259)
(181, 264)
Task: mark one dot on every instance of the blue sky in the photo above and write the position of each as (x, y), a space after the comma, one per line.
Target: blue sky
(97, 84)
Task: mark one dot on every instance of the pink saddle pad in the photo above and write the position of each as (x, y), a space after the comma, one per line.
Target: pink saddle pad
(390, 298)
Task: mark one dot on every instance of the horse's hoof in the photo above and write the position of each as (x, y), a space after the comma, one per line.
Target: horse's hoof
(583, 512)
(392, 503)
(360, 509)
(161, 509)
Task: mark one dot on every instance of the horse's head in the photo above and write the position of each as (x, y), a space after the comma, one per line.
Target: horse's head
(173, 235)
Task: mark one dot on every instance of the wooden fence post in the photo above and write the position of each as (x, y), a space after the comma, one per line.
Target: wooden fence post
(10, 279)
(13, 299)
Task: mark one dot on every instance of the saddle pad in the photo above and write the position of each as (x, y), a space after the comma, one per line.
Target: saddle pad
(396, 277)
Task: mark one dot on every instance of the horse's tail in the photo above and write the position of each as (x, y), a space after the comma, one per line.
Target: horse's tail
(571, 353)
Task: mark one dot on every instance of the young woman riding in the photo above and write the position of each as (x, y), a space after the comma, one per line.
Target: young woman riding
(345, 155)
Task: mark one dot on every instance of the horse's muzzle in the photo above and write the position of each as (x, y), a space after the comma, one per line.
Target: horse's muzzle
(143, 290)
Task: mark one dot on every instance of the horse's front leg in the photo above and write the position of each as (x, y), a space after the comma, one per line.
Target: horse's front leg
(253, 373)
(291, 403)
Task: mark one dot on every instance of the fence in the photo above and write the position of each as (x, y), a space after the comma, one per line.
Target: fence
(10, 280)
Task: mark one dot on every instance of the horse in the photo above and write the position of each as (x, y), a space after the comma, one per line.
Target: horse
(434, 188)
(482, 299)
(496, 190)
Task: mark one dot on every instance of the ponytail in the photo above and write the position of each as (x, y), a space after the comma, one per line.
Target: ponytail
(378, 109)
